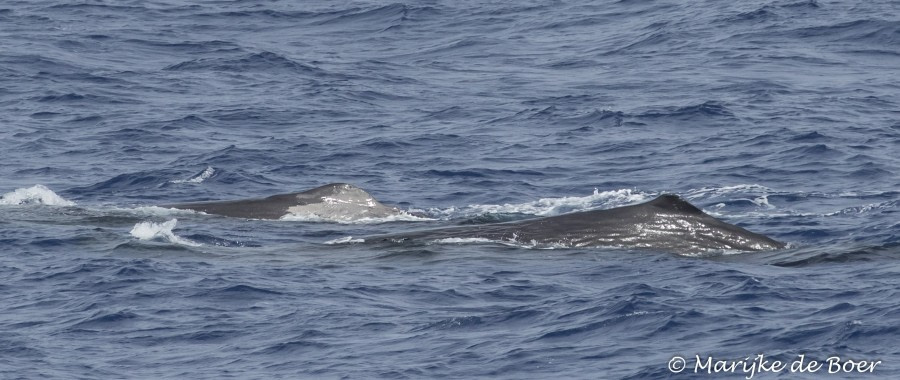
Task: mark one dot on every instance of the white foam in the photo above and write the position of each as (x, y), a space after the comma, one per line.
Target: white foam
(715, 191)
(345, 240)
(160, 231)
(514, 242)
(349, 219)
(762, 201)
(37, 194)
(203, 176)
(753, 193)
(864, 208)
(554, 206)
(152, 211)
(464, 241)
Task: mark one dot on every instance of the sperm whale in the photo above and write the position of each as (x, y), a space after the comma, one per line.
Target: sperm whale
(667, 223)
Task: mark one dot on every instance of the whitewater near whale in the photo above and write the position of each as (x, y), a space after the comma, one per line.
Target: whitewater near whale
(666, 223)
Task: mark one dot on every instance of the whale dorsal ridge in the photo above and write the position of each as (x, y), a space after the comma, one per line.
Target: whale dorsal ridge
(675, 204)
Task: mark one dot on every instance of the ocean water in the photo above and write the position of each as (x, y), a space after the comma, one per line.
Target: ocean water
(779, 116)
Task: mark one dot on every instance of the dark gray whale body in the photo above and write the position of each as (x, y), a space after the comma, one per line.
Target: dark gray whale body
(666, 223)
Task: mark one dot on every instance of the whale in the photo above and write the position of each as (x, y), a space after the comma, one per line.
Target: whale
(666, 223)
(332, 202)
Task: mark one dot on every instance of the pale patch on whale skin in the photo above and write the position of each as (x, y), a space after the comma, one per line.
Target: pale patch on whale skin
(348, 203)
(337, 202)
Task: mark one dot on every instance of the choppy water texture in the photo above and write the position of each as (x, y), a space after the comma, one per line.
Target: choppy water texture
(782, 117)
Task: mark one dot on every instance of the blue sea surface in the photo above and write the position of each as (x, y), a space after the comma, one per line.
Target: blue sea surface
(780, 116)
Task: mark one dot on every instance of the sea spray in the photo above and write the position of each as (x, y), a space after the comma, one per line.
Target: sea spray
(37, 194)
(160, 231)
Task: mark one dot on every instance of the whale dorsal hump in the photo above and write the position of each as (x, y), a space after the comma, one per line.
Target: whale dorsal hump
(337, 195)
(336, 189)
(341, 192)
(674, 204)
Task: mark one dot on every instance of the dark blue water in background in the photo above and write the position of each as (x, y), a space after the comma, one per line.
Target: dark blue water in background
(782, 117)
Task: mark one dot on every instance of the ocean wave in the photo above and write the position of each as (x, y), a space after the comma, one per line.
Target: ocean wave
(814, 150)
(137, 181)
(813, 136)
(243, 15)
(137, 184)
(565, 115)
(233, 155)
(471, 47)
(106, 321)
(652, 41)
(867, 208)
(264, 61)
(480, 173)
(844, 255)
(702, 110)
(189, 121)
(192, 47)
(199, 177)
(85, 7)
(72, 97)
(865, 31)
(765, 13)
(383, 17)
(41, 64)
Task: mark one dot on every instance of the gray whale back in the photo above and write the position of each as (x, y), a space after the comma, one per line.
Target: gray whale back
(336, 201)
(666, 223)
